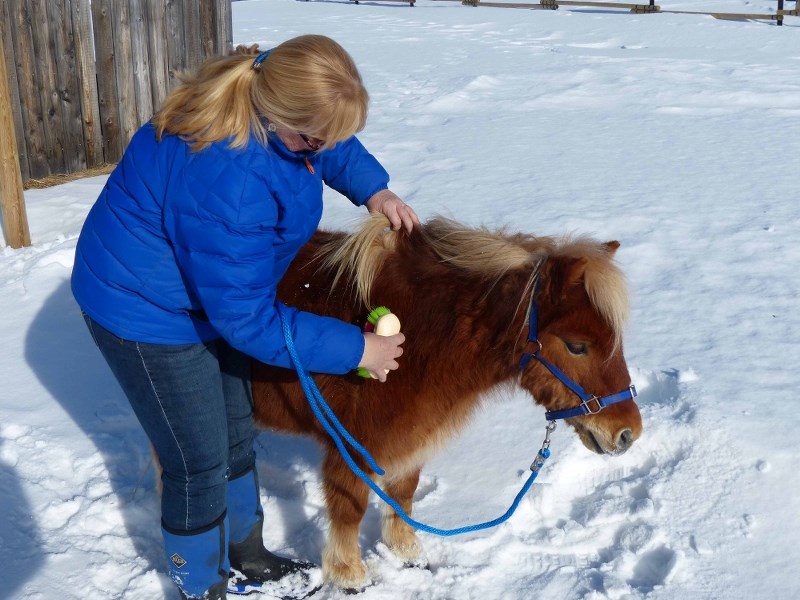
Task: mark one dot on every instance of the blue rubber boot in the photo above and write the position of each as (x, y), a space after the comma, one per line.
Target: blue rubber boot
(198, 560)
(244, 504)
(253, 567)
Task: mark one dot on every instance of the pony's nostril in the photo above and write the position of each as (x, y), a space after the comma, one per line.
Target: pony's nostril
(625, 439)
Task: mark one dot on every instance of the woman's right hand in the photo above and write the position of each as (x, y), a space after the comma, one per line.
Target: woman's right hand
(380, 352)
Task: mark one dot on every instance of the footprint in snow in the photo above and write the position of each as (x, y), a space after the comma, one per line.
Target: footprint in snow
(653, 569)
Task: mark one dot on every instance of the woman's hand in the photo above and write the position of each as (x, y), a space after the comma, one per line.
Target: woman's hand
(398, 212)
(380, 352)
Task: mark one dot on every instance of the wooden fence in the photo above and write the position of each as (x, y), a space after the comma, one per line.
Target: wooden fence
(83, 75)
(645, 6)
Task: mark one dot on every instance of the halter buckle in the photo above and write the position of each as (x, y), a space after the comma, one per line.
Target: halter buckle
(589, 411)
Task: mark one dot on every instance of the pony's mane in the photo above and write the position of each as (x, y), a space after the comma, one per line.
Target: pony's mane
(359, 257)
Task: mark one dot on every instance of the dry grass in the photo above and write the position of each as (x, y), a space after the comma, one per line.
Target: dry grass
(35, 184)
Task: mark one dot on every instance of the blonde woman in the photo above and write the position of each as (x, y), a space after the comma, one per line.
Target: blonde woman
(176, 272)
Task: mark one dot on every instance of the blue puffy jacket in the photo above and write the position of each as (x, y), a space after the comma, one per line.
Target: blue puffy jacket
(184, 247)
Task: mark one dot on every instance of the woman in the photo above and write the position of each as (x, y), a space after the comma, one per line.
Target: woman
(176, 272)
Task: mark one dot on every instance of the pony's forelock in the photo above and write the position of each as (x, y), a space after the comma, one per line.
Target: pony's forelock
(604, 281)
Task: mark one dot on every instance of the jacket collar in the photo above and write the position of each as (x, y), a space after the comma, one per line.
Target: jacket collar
(276, 145)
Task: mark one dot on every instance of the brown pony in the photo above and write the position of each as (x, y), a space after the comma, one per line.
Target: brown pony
(463, 297)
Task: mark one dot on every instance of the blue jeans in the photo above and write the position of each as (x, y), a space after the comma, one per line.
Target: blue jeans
(195, 404)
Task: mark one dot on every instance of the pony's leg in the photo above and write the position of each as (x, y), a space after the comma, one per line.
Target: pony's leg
(397, 534)
(346, 497)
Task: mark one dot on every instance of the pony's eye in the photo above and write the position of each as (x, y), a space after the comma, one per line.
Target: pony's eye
(576, 348)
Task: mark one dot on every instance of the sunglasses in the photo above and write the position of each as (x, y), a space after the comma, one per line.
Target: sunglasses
(312, 142)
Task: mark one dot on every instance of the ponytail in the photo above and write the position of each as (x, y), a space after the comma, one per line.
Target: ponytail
(213, 105)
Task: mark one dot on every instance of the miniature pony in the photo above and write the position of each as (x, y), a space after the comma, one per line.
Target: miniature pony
(463, 296)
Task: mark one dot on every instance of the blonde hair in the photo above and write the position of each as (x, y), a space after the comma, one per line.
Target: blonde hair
(308, 84)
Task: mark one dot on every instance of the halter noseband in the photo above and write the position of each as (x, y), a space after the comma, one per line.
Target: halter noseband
(590, 404)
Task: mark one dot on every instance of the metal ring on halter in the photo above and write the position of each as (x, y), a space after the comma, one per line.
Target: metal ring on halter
(537, 342)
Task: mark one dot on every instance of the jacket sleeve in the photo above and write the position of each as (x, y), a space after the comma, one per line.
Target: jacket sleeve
(223, 231)
(352, 171)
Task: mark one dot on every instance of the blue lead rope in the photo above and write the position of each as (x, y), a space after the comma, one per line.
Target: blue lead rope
(340, 435)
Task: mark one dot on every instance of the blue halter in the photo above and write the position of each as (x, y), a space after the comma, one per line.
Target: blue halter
(590, 404)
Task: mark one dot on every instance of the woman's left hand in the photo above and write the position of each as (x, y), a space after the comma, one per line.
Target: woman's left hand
(398, 212)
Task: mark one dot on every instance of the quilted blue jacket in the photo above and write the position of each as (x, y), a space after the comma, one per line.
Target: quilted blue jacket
(184, 247)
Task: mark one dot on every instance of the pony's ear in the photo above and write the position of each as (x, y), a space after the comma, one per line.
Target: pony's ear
(612, 247)
(575, 270)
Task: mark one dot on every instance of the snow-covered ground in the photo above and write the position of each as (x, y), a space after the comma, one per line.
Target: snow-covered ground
(678, 135)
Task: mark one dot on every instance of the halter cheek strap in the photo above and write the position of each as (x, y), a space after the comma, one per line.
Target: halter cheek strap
(590, 404)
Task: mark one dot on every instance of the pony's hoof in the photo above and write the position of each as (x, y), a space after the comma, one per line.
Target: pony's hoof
(409, 552)
(354, 591)
(351, 579)
(421, 564)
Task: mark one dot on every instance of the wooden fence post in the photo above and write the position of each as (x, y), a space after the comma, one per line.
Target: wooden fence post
(12, 201)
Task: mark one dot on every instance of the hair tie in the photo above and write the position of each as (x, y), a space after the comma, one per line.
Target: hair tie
(256, 66)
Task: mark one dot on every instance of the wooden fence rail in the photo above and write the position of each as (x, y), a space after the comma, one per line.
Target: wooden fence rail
(83, 75)
(652, 7)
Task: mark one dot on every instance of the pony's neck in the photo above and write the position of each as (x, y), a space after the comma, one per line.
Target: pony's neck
(463, 330)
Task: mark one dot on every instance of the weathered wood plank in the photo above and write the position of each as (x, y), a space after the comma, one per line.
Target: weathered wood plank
(87, 77)
(102, 19)
(725, 16)
(409, 2)
(223, 34)
(640, 6)
(192, 33)
(30, 101)
(216, 28)
(528, 5)
(123, 67)
(44, 52)
(141, 62)
(159, 59)
(176, 42)
(207, 26)
(67, 86)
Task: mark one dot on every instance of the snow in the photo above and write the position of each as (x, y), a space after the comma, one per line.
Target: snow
(676, 134)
